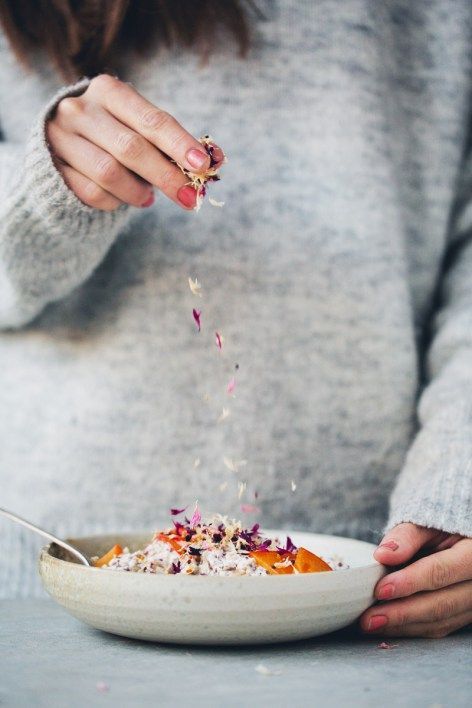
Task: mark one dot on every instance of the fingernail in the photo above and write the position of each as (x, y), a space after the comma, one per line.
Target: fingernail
(187, 196)
(385, 592)
(197, 158)
(376, 622)
(148, 201)
(392, 545)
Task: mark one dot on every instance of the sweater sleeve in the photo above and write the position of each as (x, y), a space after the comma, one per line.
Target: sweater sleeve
(50, 242)
(435, 486)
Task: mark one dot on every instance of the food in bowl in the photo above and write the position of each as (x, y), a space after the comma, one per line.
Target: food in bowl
(218, 546)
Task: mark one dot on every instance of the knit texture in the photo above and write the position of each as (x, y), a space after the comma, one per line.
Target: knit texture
(339, 272)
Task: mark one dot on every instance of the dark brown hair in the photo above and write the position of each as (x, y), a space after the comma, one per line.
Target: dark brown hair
(86, 37)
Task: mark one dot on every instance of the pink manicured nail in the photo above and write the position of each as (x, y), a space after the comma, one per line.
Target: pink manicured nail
(187, 196)
(148, 201)
(376, 622)
(392, 545)
(197, 158)
(386, 592)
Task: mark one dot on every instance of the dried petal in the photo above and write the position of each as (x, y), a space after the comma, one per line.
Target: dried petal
(386, 645)
(196, 517)
(219, 340)
(250, 509)
(214, 203)
(233, 465)
(176, 512)
(231, 386)
(289, 547)
(196, 317)
(225, 413)
(241, 489)
(195, 287)
(198, 180)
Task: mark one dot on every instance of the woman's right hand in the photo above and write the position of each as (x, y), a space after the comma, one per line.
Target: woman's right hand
(112, 147)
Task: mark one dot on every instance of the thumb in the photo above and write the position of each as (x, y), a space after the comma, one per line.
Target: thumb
(402, 542)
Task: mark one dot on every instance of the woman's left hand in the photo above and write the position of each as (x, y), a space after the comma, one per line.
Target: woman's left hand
(431, 595)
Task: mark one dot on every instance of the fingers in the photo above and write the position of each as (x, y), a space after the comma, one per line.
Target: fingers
(87, 191)
(130, 149)
(100, 167)
(446, 609)
(402, 542)
(438, 570)
(157, 126)
(428, 630)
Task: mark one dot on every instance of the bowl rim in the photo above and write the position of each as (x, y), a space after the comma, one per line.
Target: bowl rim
(46, 557)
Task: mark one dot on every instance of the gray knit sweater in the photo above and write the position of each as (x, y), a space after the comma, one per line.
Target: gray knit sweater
(339, 273)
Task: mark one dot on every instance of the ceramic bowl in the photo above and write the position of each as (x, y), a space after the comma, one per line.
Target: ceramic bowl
(192, 609)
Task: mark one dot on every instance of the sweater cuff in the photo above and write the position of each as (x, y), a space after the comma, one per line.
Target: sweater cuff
(435, 485)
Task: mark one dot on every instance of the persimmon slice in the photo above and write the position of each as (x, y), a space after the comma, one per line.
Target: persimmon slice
(267, 559)
(308, 562)
(171, 541)
(112, 553)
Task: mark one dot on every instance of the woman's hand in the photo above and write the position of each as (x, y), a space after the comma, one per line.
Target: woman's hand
(431, 596)
(112, 146)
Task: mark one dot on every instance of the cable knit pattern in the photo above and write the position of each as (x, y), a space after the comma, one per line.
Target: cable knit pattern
(339, 273)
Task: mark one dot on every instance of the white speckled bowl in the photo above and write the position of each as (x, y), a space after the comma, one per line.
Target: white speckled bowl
(214, 609)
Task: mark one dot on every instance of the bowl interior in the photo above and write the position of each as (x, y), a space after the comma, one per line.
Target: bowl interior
(357, 554)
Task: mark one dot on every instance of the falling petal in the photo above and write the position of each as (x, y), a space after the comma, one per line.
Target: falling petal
(241, 489)
(176, 512)
(261, 669)
(225, 413)
(206, 397)
(293, 485)
(231, 386)
(196, 317)
(219, 340)
(223, 486)
(250, 509)
(234, 465)
(196, 517)
(228, 462)
(195, 286)
(102, 687)
(214, 203)
(196, 462)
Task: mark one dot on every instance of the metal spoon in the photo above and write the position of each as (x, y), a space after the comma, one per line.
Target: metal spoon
(76, 553)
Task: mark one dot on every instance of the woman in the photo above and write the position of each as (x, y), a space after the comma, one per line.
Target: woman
(338, 272)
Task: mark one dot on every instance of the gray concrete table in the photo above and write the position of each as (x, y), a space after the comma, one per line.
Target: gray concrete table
(48, 659)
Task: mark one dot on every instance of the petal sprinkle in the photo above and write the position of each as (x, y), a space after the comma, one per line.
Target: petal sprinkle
(196, 317)
(195, 287)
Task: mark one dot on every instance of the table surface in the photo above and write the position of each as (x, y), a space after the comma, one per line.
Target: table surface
(48, 658)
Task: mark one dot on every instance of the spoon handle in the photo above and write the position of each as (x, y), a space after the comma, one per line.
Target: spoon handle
(46, 534)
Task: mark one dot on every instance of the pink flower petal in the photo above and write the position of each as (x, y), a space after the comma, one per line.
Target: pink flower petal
(196, 317)
(250, 509)
(196, 517)
(219, 342)
(231, 386)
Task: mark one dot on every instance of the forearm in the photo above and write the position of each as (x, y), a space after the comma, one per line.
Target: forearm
(435, 485)
(50, 241)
